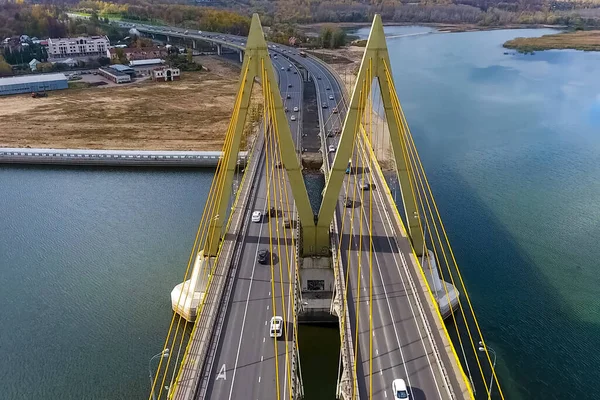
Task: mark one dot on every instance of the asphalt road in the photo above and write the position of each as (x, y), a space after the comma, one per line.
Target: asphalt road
(245, 366)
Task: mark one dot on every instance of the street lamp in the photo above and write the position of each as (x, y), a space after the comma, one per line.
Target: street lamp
(482, 348)
(163, 354)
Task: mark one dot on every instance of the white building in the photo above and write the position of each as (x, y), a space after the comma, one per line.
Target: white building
(79, 46)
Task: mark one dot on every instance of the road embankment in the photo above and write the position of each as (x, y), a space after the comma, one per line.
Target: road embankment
(116, 158)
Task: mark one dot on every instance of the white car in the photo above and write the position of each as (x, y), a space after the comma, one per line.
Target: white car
(200, 32)
(331, 148)
(293, 118)
(331, 97)
(256, 216)
(276, 327)
(296, 109)
(282, 68)
(399, 389)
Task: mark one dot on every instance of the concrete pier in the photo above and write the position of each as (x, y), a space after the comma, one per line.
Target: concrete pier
(187, 296)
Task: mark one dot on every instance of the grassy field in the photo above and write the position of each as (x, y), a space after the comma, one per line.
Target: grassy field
(190, 114)
(579, 40)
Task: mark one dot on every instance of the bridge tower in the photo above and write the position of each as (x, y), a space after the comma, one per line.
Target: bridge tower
(257, 64)
(375, 65)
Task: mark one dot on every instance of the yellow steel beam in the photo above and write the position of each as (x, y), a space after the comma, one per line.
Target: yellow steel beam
(375, 57)
(256, 55)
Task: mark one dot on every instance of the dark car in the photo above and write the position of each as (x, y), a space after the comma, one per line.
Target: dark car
(325, 105)
(263, 256)
(318, 77)
(348, 203)
(289, 85)
(273, 212)
(288, 96)
(328, 88)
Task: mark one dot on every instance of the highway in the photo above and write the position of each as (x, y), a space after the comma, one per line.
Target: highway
(244, 365)
(401, 339)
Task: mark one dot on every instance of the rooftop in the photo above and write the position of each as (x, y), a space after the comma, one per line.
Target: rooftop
(121, 67)
(152, 61)
(15, 80)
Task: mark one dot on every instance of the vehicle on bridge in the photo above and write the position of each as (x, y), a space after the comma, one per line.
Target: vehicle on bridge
(256, 216)
(276, 328)
(399, 389)
(293, 118)
(302, 54)
(296, 109)
(263, 256)
(331, 148)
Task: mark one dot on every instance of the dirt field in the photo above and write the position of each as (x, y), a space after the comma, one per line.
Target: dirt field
(191, 114)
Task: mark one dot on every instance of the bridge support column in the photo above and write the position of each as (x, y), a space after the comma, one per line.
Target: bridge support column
(168, 39)
(241, 56)
(219, 50)
(187, 296)
(193, 44)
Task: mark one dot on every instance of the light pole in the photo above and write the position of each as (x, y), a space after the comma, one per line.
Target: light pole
(482, 348)
(164, 354)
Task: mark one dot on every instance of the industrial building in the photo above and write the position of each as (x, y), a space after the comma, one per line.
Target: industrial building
(114, 75)
(32, 83)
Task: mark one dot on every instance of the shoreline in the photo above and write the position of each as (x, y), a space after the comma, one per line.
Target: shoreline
(442, 27)
(578, 40)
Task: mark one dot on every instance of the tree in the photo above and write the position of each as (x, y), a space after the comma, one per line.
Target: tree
(5, 68)
(339, 38)
(326, 36)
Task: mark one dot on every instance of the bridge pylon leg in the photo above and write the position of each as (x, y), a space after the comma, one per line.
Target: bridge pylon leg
(375, 58)
(256, 64)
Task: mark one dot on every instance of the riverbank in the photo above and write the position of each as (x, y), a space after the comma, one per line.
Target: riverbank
(441, 27)
(190, 114)
(578, 40)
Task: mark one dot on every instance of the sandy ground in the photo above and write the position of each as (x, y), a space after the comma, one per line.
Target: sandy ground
(191, 114)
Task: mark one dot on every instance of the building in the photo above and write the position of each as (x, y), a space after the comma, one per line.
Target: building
(166, 74)
(69, 62)
(124, 69)
(145, 67)
(134, 53)
(79, 46)
(33, 64)
(32, 83)
(114, 75)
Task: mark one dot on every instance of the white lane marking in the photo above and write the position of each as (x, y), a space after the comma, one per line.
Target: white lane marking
(263, 340)
(269, 293)
(376, 352)
(380, 372)
(385, 394)
(265, 323)
(267, 307)
(237, 356)
(222, 373)
(259, 379)
(261, 358)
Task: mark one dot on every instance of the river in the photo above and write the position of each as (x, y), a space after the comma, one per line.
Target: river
(88, 256)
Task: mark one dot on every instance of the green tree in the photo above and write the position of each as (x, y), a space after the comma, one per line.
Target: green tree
(339, 38)
(326, 37)
(5, 68)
